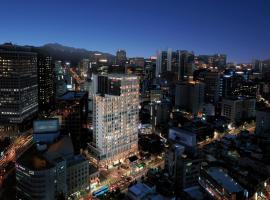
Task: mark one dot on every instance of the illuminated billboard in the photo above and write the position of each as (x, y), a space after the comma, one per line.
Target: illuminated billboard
(182, 136)
(46, 126)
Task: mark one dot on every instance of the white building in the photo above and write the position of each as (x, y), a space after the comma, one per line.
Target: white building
(115, 118)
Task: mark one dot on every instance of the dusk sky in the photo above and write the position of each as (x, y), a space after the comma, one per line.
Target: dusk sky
(238, 28)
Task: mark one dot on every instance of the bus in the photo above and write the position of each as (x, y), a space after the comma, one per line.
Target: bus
(101, 191)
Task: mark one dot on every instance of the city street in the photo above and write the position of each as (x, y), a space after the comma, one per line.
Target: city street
(16, 148)
(121, 178)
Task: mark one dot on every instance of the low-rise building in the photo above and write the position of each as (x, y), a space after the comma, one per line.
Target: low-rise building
(49, 169)
(220, 185)
(140, 191)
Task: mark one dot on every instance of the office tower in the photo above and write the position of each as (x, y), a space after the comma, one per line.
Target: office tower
(257, 66)
(45, 82)
(167, 61)
(158, 63)
(161, 65)
(99, 63)
(186, 65)
(60, 85)
(212, 85)
(147, 77)
(190, 96)
(18, 87)
(115, 118)
(84, 66)
(230, 84)
(73, 107)
(160, 113)
(238, 108)
(219, 61)
(121, 57)
(175, 62)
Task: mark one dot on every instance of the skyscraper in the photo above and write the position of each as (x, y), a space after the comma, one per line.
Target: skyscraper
(121, 57)
(18, 87)
(60, 85)
(219, 61)
(257, 66)
(169, 60)
(158, 63)
(230, 84)
(181, 63)
(186, 65)
(45, 82)
(175, 62)
(84, 66)
(115, 118)
(212, 85)
(164, 61)
(190, 96)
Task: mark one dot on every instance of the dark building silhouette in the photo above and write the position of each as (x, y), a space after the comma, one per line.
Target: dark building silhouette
(73, 107)
(18, 87)
(45, 82)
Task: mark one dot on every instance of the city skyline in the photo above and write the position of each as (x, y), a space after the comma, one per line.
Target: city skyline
(238, 29)
(135, 100)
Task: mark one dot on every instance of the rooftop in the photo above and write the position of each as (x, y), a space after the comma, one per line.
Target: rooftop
(76, 160)
(61, 148)
(34, 160)
(183, 131)
(224, 179)
(140, 189)
(195, 192)
(72, 95)
(238, 98)
(40, 160)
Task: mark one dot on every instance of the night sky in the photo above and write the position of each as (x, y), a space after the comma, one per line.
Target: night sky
(239, 28)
